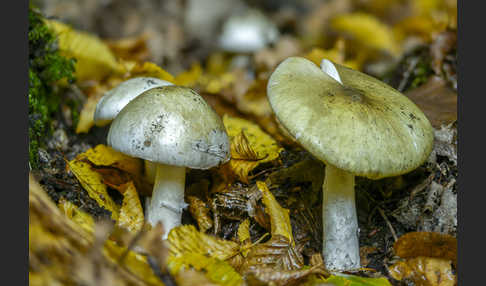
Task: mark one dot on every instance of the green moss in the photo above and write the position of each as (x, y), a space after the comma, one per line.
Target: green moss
(46, 67)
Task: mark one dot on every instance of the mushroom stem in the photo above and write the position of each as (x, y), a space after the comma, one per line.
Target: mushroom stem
(328, 67)
(167, 197)
(340, 247)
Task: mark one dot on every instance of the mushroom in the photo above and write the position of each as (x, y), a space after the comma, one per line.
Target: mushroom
(174, 128)
(115, 99)
(247, 32)
(358, 126)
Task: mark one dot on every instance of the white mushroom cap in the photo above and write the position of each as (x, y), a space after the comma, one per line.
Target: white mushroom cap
(115, 99)
(247, 32)
(172, 125)
(362, 126)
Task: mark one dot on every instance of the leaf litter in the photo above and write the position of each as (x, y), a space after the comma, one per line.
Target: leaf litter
(258, 217)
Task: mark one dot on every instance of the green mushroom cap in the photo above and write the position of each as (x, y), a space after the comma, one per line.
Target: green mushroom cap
(362, 126)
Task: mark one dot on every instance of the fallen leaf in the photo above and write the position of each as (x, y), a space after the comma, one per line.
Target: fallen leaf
(131, 48)
(244, 232)
(103, 155)
(249, 147)
(424, 271)
(131, 212)
(367, 30)
(86, 115)
(62, 251)
(92, 182)
(270, 276)
(437, 100)
(336, 54)
(190, 77)
(348, 280)
(190, 277)
(216, 270)
(278, 254)
(83, 219)
(186, 239)
(94, 60)
(429, 244)
(279, 217)
(149, 69)
(200, 211)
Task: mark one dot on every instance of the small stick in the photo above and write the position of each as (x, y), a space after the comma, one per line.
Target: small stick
(420, 187)
(395, 238)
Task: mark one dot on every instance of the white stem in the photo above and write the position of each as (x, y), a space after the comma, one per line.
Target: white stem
(150, 168)
(328, 67)
(340, 247)
(167, 197)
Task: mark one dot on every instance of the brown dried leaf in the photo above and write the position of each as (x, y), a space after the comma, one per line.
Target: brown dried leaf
(429, 244)
(281, 277)
(436, 100)
(200, 211)
(277, 253)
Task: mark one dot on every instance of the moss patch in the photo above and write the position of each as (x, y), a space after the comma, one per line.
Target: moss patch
(46, 68)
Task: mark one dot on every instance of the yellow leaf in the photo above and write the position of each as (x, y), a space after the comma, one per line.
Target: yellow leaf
(92, 182)
(136, 263)
(279, 216)
(214, 84)
(131, 213)
(103, 155)
(423, 26)
(348, 280)
(87, 113)
(150, 69)
(249, 146)
(191, 77)
(81, 218)
(214, 269)
(186, 239)
(336, 54)
(367, 30)
(94, 60)
(244, 231)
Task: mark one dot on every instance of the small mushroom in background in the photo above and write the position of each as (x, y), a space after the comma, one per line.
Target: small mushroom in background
(174, 128)
(358, 126)
(116, 98)
(247, 32)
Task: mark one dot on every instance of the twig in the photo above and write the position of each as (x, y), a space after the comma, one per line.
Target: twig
(382, 213)
(420, 187)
